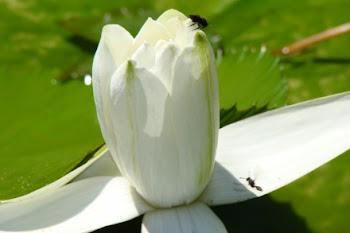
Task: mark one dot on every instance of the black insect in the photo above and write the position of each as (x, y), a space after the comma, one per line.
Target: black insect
(251, 182)
(199, 21)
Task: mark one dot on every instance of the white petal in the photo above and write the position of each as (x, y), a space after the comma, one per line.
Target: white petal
(144, 141)
(104, 166)
(170, 14)
(81, 206)
(151, 31)
(113, 48)
(165, 62)
(177, 25)
(144, 56)
(159, 44)
(278, 147)
(196, 112)
(51, 188)
(225, 188)
(174, 22)
(195, 218)
(118, 41)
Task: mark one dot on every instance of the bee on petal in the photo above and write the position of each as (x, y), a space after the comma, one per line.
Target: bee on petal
(198, 21)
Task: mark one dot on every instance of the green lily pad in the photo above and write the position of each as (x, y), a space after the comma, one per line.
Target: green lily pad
(47, 137)
(250, 82)
(320, 70)
(130, 18)
(47, 127)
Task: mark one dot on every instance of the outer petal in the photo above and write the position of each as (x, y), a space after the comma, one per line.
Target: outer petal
(115, 41)
(144, 141)
(278, 147)
(195, 110)
(51, 188)
(78, 207)
(195, 218)
(112, 51)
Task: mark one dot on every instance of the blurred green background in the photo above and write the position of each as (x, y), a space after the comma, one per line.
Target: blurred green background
(48, 121)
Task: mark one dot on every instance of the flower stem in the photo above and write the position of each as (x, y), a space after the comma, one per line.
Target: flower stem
(314, 39)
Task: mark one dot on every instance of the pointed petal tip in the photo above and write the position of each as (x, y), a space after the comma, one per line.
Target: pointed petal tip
(171, 13)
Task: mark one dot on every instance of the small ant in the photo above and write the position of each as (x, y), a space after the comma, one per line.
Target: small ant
(251, 182)
(199, 21)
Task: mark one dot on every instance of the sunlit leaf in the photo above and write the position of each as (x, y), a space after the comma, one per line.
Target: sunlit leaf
(250, 82)
(47, 127)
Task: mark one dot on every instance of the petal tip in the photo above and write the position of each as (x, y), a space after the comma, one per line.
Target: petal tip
(169, 14)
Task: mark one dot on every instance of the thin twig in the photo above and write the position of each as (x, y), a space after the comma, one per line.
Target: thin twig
(325, 35)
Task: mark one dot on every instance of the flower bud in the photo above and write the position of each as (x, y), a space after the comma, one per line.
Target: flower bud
(157, 102)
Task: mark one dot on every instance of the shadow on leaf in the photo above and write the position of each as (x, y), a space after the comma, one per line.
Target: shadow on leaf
(261, 215)
(254, 216)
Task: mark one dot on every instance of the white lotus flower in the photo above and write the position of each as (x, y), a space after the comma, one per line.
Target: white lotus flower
(157, 102)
